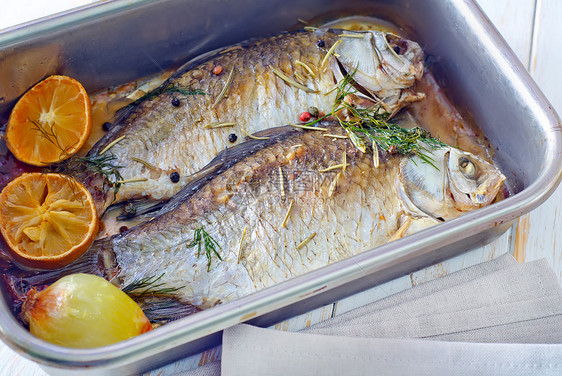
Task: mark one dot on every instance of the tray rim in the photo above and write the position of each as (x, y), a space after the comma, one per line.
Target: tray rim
(230, 313)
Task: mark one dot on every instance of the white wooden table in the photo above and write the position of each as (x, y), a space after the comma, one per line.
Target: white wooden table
(532, 29)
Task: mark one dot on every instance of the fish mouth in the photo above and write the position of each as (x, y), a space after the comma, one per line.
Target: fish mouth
(381, 68)
(362, 97)
(360, 89)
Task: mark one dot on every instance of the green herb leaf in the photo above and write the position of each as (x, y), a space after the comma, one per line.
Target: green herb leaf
(48, 133)
(167, 88)
(202, 239)
(97, 164)
(148, 286)
(367, 125)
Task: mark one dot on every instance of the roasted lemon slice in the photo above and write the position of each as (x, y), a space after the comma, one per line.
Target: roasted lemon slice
(50, 122)
(47, 220)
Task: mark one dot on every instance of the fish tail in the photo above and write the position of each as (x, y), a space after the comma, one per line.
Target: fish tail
(98, 260)
(161, 309)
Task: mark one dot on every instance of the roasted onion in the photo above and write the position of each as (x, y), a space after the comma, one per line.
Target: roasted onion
(83, 311)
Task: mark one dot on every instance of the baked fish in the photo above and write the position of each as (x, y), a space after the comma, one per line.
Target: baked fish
(269, 210)
(216, 100)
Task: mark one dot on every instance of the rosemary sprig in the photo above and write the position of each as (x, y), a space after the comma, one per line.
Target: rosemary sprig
(148, 286)
(112, 144)
(366, 126)
(305, 241)
(167, 88)
(329, 53)
(290, 81)
(204, 241)
(173, 88)
(225, 89)
(145, 163)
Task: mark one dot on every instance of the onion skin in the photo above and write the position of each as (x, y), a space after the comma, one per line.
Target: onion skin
(83, 311)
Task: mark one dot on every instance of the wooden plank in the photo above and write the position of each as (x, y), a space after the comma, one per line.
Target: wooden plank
(12, 363)
(187, 364)
(305, 320)
(538, 234)
(14, 12)
(514, 20)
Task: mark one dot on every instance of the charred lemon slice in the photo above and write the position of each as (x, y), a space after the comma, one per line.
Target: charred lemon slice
(50, 122)
(47, 220)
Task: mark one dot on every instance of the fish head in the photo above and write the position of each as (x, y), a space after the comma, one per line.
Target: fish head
(473, 182)
(454, 182)
(382, 64)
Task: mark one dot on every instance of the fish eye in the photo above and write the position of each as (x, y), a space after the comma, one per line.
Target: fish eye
(468, 168)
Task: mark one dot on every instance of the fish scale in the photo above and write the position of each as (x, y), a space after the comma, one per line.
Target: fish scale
(177, 139)
(270, 253)
(240, 190)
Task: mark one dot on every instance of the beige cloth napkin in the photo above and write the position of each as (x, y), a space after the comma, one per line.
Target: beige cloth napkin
(249, 350)
(498, 317)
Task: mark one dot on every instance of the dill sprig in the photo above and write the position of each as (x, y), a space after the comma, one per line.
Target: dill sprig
(367, 125)
(202, 239)
(99, 164)
(398, 140)
(148, 286)
(48, 133)
(96, 164)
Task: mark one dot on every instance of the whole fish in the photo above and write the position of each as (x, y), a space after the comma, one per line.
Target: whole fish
(216, 100)
(269, 210)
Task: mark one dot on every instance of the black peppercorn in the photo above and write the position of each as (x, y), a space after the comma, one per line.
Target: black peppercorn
(232, 137)
(176, 102)
(397, 50)
(106, 126)
(175, 177)
(122, 229)
(321, 43)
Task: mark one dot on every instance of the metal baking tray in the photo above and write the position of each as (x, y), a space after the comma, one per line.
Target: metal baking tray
(113, 42)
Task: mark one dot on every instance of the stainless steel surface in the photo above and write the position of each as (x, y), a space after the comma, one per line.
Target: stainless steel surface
(114, 42)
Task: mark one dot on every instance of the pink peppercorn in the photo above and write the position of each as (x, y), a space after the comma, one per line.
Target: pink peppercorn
(305, 116)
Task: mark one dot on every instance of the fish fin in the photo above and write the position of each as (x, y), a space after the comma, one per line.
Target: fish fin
(275, 132)
(400, 233)
(161, 309)
(200, 59)
(412, 225)
(143, 208)
(204, 57)
(422, 223)
(94, 261)
(226, 160)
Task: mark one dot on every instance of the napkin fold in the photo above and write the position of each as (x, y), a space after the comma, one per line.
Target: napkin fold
(489, 297)
(498, 317)
(248, 350)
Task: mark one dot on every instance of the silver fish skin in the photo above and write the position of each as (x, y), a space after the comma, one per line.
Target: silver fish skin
(176, 132)
(281, 207)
